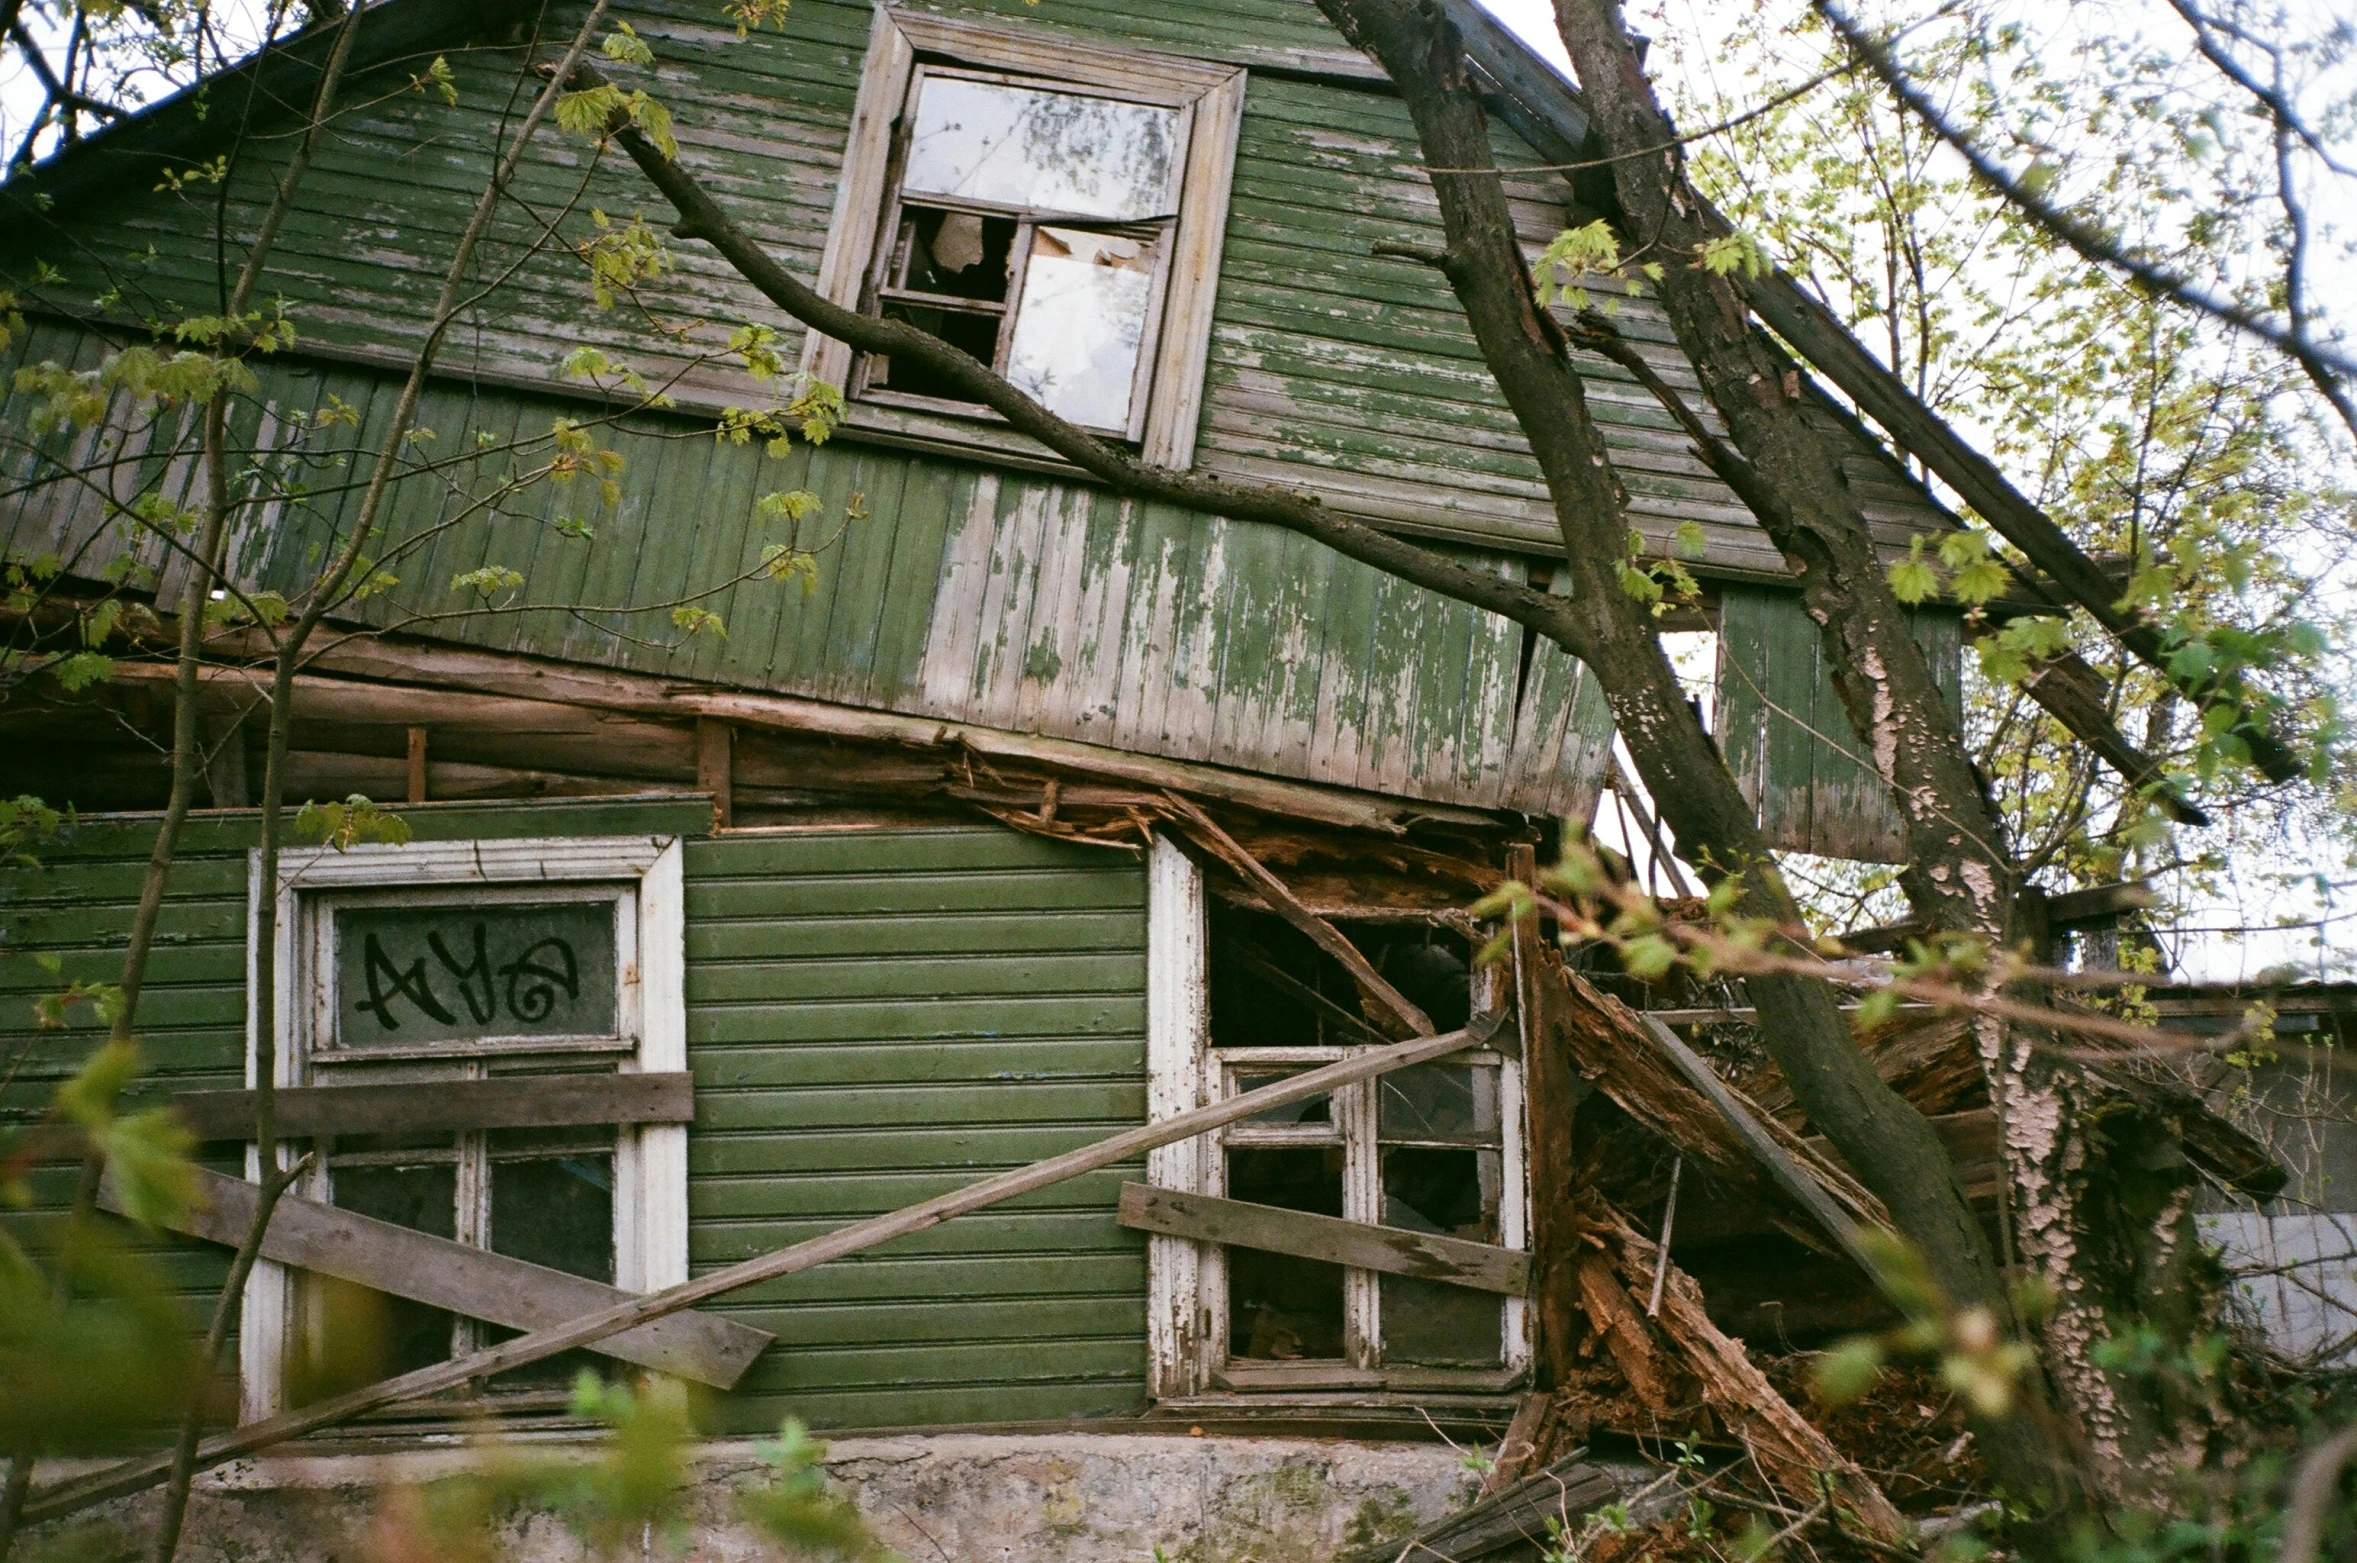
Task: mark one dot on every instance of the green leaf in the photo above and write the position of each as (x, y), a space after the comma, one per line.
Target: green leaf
(81, 669)
(1846, 1372)
(624, 44)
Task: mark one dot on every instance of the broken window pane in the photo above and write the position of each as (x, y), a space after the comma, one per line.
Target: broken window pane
(1082, 322)
(1447, 1102)
(1055, 152)
(1453, 1193)
(974, 334)
(407, 974)
(1281, 1307)
(954, 254)
(1314, 1110)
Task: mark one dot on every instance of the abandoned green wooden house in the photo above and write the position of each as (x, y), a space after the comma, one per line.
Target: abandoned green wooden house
(871, 865)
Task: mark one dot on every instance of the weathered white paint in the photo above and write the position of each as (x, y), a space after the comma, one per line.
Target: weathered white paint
(650, 1160)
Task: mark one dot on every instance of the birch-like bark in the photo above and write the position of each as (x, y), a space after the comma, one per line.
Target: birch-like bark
(1958, 875)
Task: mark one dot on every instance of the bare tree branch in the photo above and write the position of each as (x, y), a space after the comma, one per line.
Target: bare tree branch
(2330, 369)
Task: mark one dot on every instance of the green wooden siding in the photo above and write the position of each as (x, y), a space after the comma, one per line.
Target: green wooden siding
(964, 593)
(1787, 738)
(997, 597)
(877, 1017)
(873, 1017)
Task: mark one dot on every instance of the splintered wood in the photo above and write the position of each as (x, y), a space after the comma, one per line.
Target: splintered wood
(1609, 1044)
(1791, 1452)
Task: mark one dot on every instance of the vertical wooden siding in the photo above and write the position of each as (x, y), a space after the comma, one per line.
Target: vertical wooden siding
(876, 1017)
(1005, 599)
(1330, 367)
(1787, 738)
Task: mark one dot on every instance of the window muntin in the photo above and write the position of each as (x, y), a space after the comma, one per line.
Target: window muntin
(1424, 1148)
(491, 958)
(1031, 227)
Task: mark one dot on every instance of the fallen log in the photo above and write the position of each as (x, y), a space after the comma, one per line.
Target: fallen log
(133, 1475)
(1790, 1450)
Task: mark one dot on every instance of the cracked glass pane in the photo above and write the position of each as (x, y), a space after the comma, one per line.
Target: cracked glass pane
(1081, 323)
(1446, 1102)
(1056, 152)
(1453, 1193)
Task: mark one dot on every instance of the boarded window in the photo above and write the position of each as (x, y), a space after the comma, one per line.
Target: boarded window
(1423, 1149)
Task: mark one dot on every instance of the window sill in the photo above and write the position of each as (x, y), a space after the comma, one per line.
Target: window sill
(943, 433)
(1251, 1378)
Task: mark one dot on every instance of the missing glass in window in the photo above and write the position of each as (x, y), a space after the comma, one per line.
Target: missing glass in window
(1030, 227)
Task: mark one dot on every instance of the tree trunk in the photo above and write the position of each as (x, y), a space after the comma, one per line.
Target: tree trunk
(1894, 1150)
(2104, 1232)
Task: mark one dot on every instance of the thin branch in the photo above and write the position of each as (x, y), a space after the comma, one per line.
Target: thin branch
(2322, 364)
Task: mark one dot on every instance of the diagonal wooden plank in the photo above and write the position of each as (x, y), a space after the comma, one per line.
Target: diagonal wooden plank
(1358, 1244)
(473, 1281)
(145, 1471)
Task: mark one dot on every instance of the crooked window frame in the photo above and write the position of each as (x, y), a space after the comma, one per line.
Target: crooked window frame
(642, 875)
(1187, 1320)
(1166, 399)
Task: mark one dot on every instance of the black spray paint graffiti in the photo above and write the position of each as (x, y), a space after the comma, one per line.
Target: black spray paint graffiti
(531, 981)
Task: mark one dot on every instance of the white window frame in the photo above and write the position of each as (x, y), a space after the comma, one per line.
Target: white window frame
(1211, 97)
(1187, 1312)
(650, 1160)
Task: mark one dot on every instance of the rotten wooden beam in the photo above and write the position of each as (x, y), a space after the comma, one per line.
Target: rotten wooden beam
(461, 1278)
(1205, 832)
(715, 743)
(1551, 1096)
(134, 1475)
(1358, 1244)
(399, 667)
(1789, 1448)
(1782, 1155)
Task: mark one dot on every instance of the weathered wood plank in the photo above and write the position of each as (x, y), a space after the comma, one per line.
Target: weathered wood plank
(1358, 1244)
(513, 1102)
(463, 1279)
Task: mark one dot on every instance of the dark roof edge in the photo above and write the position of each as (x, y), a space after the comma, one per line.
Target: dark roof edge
(193, 122)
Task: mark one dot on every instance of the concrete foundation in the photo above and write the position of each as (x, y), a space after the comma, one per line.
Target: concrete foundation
(934, 1498)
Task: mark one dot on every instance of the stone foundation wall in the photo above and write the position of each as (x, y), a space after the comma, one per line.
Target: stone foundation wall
(937, 1498)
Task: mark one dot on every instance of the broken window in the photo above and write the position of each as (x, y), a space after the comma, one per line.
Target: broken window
(410, 983)
(1424, 1149)
(1030, 227)
(1051, 208)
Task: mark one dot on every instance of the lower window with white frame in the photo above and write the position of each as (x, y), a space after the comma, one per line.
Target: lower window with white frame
(1435, 1148)
(445, 962)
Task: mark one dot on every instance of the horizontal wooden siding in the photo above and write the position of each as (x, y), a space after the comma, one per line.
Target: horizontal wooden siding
(877, 1017)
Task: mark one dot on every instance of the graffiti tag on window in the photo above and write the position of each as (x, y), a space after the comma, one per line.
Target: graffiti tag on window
(424, 974)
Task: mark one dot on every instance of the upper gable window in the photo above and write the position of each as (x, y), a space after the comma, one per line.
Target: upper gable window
(1049, 208)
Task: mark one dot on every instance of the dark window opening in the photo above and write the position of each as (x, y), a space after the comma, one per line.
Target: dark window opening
(1281, 1307)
